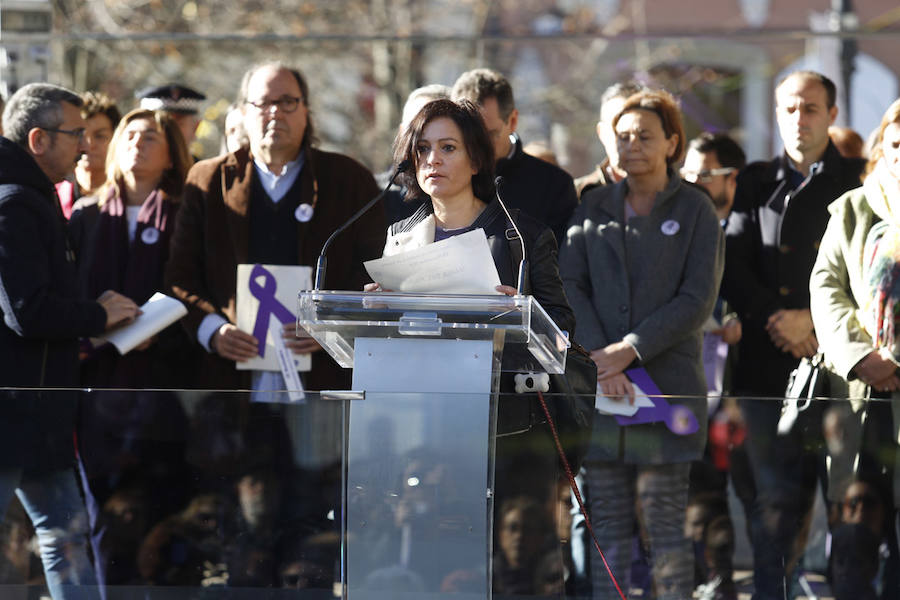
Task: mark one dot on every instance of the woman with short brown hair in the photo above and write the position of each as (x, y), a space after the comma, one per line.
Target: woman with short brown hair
(641, 266)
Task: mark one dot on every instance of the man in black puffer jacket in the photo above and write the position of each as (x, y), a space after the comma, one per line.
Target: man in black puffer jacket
(42, 321)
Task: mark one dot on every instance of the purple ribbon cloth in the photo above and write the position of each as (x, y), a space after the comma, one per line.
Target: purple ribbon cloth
(678, 419)
(268, 304)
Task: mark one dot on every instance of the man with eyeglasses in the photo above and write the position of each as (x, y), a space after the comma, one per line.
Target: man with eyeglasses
(275, 202)
(712, 162)
(43, 319)
(772, 239)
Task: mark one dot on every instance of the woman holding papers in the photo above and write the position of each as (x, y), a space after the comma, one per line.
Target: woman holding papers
(452, 159)
(121, 236)
(132, 441)
(641, 266)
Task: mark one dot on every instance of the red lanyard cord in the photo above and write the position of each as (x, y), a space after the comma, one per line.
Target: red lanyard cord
(574, 486)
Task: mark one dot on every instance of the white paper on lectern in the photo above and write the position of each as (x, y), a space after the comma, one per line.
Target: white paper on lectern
(461, 264)
(608, 406)
(290, 280)
(159, 312)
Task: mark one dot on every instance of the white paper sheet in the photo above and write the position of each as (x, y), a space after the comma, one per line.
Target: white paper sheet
(461, 264)
(608, 406)
(159, 312)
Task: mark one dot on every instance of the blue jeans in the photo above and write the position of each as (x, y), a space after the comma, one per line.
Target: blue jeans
(54, 506)
(787, 470)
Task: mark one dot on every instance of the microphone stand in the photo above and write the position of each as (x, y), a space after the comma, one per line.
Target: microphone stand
(523, 264)
(322, 262)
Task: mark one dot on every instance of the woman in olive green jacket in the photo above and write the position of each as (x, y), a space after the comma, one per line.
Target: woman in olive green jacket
(855, 292)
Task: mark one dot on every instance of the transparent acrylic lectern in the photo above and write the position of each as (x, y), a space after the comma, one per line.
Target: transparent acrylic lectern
(419, 447)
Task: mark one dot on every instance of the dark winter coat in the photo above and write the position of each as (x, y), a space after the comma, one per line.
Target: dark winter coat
(770, 250)
(540, 190)
(43, 317)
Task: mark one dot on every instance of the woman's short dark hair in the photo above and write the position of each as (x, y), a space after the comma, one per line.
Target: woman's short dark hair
(664, 105)
(475, 139)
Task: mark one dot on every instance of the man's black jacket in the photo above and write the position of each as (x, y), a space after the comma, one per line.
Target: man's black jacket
(540, 190)
(43, 317)
(771, 246)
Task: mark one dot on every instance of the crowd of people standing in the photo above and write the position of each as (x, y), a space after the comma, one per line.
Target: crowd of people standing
(674, 262)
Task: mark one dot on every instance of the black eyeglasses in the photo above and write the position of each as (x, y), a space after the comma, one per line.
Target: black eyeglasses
(76, 133)
(287, 104)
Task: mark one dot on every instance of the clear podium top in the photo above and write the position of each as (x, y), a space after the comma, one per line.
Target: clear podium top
(530, 340)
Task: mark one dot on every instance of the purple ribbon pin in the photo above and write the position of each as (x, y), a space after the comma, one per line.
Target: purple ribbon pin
(268, 304)
(679, 419)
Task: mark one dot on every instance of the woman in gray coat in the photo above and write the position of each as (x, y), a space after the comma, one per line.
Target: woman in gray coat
(641, 267)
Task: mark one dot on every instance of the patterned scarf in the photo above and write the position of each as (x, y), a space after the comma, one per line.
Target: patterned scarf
(134, 268)
(881, 259)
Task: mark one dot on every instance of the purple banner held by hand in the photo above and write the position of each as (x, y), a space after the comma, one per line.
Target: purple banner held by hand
(268, 304)
(678, 419)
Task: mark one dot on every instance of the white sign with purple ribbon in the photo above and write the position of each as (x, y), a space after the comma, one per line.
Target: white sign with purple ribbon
(266, 299)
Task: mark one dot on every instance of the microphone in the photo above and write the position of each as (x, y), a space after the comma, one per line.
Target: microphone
(322, 262)
(523, 264)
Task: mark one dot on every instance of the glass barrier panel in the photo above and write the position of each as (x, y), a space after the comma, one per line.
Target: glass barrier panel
(196, 494)
(174, 494)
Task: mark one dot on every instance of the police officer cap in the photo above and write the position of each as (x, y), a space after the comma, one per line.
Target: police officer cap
(172, 98)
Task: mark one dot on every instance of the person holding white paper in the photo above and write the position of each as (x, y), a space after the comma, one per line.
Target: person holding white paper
(42, 319)
(453, 168)
(641, 265)
(452, 158)
(273, 202)
(122, 240)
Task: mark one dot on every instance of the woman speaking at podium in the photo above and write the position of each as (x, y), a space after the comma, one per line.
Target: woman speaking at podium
(452, 166)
